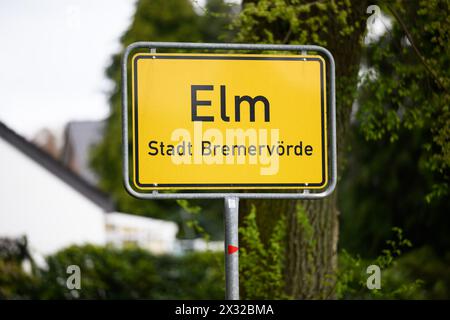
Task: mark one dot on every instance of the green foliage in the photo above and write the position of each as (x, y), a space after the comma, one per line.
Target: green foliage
(133, 273)
(262, 263)
(428, 266)
(15, 283)
(193, 221)
(407, 86)
(110, 273)
(295, 21)
(310, 242)
(215, 21)
(394, 249)
(352, 276)
(384, 186)
(261, 267)
(398, 162)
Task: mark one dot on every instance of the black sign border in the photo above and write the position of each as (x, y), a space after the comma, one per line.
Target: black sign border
(147, 186)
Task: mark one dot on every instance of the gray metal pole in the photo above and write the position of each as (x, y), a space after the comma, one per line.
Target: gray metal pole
(231, 239)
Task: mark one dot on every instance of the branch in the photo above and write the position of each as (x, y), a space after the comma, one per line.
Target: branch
(416, 50)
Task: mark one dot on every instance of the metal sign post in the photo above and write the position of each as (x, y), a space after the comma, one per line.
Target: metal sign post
(231, 218)
(153, 177)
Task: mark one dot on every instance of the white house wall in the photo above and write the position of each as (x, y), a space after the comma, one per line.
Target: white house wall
(36, 203)
(157, 236)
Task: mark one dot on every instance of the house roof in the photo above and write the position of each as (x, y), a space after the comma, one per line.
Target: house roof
(89, 191)
(80, 137)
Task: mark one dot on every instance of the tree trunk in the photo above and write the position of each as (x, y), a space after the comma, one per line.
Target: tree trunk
(312, 228)
(311, 242)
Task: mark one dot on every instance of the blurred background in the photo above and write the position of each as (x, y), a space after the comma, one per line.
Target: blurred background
(62, 201)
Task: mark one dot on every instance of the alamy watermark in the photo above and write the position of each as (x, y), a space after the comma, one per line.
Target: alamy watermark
(374, 280)
(73, 282)
(375, 13)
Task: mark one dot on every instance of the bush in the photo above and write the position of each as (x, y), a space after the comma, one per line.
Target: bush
(133, 273)
(15, 283)
(111, 273)
(418, 274)
(428, 266)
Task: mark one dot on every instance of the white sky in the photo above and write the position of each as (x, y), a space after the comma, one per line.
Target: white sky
(53, 56)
